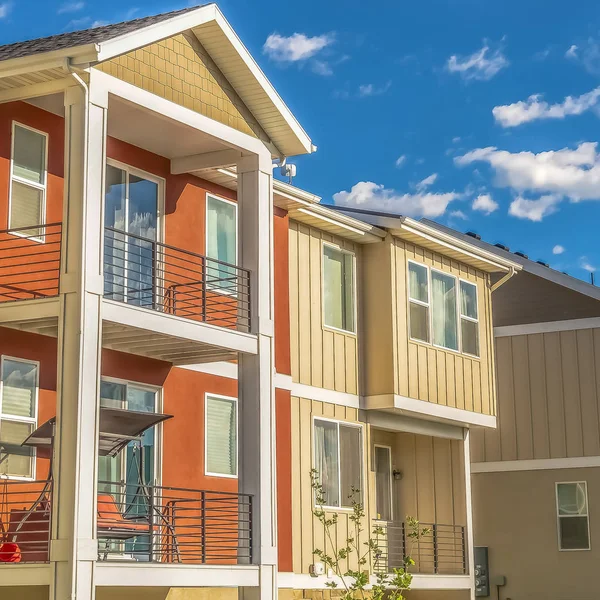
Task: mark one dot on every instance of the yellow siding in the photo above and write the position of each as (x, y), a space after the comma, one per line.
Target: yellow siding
(548, 398)
(320, 356)
(179, 69)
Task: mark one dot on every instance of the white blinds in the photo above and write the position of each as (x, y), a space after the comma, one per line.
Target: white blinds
(26, 205)
(221, 436)
(17, 402)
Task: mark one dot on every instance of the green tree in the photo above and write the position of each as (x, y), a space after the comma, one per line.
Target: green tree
(359, 552)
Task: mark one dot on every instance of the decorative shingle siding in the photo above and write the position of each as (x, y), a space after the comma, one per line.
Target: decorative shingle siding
(179, 69)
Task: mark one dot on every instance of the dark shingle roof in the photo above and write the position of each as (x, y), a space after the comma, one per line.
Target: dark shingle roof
(83, 37)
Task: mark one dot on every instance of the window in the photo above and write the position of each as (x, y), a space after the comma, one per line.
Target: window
(221, 436)
(18, 416)
(383, 482)
(469, 321)
(338, 461)
(338, 288)
(573, 519)
(221, 243)
(28, 179)
(418, 292)
(442, 310)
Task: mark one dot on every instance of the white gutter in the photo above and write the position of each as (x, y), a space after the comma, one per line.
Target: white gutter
(503, 280)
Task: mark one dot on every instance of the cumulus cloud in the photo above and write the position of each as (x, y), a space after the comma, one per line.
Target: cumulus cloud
(369, 195)
(485, 204)
(458, 214)
(534, 108)
(370, 89)
(400, 161)
(587, 54)
(296, 47)
(558, 249)
(482, 65)
(572, 51)
(566, 172)
(534, 210)
(70, 7)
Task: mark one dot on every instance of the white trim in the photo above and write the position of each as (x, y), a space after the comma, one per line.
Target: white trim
(559, 517)
(41, 187)
(283, 382)
(28, 420)
(363, 475)
(23, 574)
(391, 477)
(540, 464)
(325, 219)
(311, 392)
(352, 332)
(218, 369)
(467, 318)
(469, 511)
(547, 327)
(436, 412)
(208, 473)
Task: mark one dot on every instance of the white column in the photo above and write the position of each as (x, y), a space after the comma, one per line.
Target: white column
(469, 507)
(74, 547)
(256, 373)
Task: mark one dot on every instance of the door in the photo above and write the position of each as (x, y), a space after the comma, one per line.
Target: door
(383, 483)
(131, 231)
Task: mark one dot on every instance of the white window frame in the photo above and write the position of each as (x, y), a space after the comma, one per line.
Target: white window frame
(457, 279)
(40, 187)
(158, 391)
(208, 473)
(354, 289)
(420, 303)
(467, 318)
(31, 420)
(389, 449)
(362, 459)
(559, 517)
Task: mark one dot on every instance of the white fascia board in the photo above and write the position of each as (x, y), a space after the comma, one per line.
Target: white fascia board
(218, 369)
(37, 89)
(311, 392)
(539, 464)
(22, 574)
(441, 582)
(547, 327)
(175, 575)
(391, 422)
(170, 110)
(428, 410)
(24, 310)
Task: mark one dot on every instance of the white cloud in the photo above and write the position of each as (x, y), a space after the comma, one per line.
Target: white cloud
(585, 264)
(5, 9)
(566, 172)
(458, 214)
(98, 24)
(400, 161)
(370, 89)
(425, 183)
(485, 204)
(322, 67)
(456, 139)
(369, 195)
(482, 65)
(296, 47)
(70, 7)
(558, 249)
(572, 51)
(532, 109)
(534, 210)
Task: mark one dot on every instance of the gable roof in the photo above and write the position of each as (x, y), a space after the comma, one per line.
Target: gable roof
(91, 46)
(527, 265)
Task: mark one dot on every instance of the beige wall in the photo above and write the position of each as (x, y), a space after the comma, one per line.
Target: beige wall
(548, 398)
(394, 364)
(179, 69)
(515, 516)
(320, 356)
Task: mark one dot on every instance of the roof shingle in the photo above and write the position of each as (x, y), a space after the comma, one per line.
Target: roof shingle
(73, 39)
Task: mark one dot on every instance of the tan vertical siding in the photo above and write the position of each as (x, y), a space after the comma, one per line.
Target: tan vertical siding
(548, 398)
(320, 356)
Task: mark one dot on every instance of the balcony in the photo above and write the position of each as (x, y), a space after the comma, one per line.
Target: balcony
(30, 262)
(441, 552)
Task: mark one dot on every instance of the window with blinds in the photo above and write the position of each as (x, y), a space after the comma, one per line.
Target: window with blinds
(338, 289)
(18, 416)
(28, 180)
(221, 436)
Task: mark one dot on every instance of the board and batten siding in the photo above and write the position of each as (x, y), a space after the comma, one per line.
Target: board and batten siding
(320, 356)
(548, 398)
(307, 532)
(395, 364)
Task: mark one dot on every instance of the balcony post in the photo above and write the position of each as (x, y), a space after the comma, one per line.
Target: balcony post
(469, 506)
(74, 547)
(256, 373)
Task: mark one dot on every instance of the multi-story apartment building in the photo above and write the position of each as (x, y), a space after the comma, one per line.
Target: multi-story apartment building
(536, 477)
(184, 338)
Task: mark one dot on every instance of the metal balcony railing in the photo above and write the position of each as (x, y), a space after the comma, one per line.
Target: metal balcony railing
(141, 271)
(25, 511)
(30, 262)
(443, 551)
(173, 525)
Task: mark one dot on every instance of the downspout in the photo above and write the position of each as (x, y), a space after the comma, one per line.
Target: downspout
(503, 280)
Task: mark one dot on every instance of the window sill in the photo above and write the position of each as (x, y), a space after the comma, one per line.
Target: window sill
(435, 347)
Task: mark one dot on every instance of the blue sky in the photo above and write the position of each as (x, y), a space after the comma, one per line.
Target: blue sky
(484, 116)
